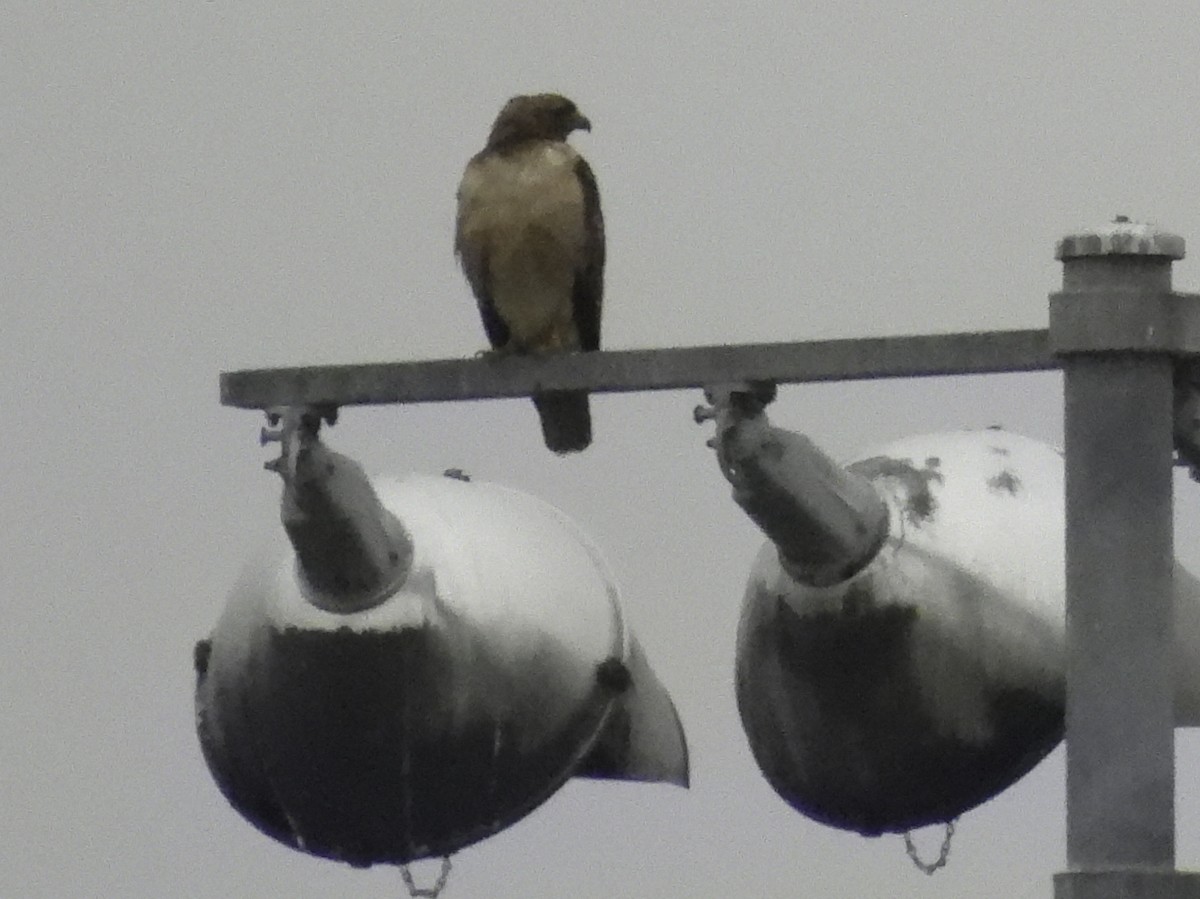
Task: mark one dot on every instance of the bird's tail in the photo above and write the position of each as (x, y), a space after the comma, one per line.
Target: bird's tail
(566, 420)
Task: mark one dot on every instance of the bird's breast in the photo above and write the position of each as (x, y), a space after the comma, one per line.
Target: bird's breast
(523, 213)
(529, 197)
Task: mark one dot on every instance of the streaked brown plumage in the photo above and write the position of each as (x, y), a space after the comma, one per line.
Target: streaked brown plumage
(530, 237)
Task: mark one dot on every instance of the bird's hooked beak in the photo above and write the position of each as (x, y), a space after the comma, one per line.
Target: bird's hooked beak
(581, 123)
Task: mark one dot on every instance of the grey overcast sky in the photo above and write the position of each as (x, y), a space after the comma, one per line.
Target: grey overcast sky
(192, 187)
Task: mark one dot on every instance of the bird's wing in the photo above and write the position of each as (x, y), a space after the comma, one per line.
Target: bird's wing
(588, 291)
(472, 251)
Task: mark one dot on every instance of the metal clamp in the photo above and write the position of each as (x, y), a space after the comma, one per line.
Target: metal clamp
(732, 404)
(294, 427)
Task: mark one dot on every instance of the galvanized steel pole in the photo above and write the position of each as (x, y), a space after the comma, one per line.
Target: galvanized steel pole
(1119, 557)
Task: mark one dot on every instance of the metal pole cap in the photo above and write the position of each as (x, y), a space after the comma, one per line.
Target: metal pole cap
(1121, 238)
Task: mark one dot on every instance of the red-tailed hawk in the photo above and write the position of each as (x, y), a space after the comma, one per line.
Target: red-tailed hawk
(531, 241)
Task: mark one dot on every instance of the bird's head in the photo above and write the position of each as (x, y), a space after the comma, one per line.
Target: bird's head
(536, 117)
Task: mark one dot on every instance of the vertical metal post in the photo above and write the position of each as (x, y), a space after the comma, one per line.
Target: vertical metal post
(1119, 557)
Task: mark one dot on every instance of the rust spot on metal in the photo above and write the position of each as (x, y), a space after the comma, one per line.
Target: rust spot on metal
(916, 483)
(1005, 482)
(612, 674)
(201, 653)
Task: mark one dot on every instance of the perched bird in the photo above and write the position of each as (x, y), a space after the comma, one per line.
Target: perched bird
(530, 238)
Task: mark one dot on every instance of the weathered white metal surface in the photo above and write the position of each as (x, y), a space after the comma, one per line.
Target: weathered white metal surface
(934, 678)
(500, 667)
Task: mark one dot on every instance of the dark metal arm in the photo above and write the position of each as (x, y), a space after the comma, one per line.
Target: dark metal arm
(351, 550)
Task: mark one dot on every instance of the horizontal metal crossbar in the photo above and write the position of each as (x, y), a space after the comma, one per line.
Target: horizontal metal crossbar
(637, 370)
